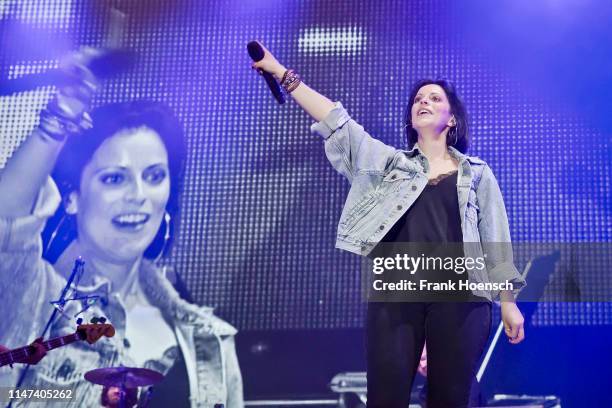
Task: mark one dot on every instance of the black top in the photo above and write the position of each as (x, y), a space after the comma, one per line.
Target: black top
(433, 217)
(430, 228)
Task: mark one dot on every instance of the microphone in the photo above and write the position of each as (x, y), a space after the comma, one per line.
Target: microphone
(106, 63)
(257, 53)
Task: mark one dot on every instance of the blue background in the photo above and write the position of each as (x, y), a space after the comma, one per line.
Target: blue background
(261, 202)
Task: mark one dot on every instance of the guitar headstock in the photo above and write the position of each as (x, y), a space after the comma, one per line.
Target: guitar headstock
(94, 331)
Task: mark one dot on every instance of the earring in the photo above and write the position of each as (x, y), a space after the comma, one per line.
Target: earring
(53, 235)
(452, 132)
(167, 221)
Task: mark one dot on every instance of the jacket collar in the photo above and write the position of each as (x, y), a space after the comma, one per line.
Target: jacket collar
(162, 294)
(416, 149)
(456, 154)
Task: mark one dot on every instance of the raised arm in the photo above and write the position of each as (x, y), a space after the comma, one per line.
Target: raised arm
(313, 103)
(349, 148)
(28, 168)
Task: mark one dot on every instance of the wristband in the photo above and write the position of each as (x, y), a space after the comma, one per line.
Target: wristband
(290, 80)
(56, 125)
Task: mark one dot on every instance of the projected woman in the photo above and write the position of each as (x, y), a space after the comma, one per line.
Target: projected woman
(433, 193)
(119, 183)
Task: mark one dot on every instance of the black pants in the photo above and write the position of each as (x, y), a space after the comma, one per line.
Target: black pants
(456, 334)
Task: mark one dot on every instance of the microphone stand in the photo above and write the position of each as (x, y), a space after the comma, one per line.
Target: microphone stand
(76, 271)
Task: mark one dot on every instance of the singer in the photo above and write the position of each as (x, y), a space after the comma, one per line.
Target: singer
(432, 193)
(112, 200)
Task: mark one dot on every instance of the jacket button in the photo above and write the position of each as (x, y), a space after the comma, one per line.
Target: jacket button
(399, 208)
(414, 188)
(382, 227)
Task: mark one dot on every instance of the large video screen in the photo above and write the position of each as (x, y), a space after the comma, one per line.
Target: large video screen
(261, 203)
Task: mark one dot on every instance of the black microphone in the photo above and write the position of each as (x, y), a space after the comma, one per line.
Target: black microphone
(107, 63)
(257, 53)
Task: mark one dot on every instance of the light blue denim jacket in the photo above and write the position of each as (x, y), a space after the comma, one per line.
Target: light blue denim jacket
(386, 181)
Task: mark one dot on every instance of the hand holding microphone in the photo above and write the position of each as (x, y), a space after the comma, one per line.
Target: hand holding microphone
(272, 71)
(313, 103)
(80, 83)
(264, 60)
(67, 113)
(267, 66)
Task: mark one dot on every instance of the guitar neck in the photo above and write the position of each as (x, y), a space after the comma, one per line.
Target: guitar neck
(21, 353)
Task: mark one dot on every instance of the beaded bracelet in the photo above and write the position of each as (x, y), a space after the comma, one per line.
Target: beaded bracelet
(290, 80)
(56, 124)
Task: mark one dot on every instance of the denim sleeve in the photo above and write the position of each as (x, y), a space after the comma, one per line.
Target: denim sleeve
(24, 275)
(235, 398)
(349, 148)
(22, 234)
(495, 233)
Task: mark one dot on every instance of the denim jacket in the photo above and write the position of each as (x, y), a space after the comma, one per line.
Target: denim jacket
(28, 283)
(386, 181)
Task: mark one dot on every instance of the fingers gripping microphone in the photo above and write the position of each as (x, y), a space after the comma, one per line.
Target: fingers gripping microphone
(257, 53)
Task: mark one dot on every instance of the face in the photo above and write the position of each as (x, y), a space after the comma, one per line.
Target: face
(431, 109)
(113, 395)
(123, 194)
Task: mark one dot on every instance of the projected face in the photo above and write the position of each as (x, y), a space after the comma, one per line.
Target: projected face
(431, 109)
(123, 194)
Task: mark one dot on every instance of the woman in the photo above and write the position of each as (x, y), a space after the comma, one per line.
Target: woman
(119, 183)
(433, 193)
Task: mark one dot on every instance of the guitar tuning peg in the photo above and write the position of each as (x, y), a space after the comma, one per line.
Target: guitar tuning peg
(94, 320)
(79, 321)
(102, 320)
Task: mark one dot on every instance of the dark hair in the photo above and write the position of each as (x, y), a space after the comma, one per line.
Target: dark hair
(461, 142)
(131, 396)
(108, 120)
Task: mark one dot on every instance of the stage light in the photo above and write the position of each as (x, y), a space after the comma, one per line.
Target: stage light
(46, 12)
(333, 40)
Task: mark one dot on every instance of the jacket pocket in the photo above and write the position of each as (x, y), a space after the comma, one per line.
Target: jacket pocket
(397, 175)
(393, 181)
(362, 206)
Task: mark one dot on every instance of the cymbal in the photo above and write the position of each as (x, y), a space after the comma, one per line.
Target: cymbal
(129, 377)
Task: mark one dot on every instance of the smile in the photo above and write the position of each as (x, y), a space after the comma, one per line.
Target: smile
(131, 220)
